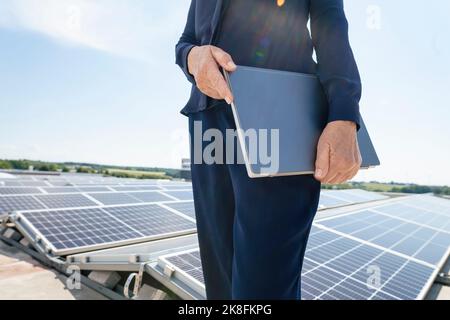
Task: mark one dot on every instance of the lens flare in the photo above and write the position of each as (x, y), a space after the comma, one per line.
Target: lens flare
(281, 3)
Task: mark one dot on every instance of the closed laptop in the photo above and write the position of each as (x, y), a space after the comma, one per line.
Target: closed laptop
(287, 112)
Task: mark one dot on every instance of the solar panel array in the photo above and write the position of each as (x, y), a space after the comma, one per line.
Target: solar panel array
(21, 198)
(373, 254)
(406, 241)
(78, 230)
(10, 203)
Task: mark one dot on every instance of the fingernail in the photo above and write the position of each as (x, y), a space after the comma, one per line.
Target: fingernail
(319, 173)
(231, 65)
(228, 100)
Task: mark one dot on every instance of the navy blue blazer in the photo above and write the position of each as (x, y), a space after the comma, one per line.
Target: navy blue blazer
(336, 66)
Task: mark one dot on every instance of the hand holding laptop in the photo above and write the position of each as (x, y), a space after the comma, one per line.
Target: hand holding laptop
(338, 155)
(204, 64)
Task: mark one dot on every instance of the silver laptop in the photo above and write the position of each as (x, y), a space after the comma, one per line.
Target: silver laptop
(287, 113)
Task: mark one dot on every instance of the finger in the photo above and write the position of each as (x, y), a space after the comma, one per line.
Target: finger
(220, 86)
(330, 177)
(322, 161)
(345, 176)
(339, 179)
(354, 173)
(223, 59)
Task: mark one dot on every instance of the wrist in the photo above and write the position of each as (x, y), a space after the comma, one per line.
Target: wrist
(191, 60)
(349, 125)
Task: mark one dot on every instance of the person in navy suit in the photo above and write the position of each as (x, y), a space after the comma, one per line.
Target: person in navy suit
(253, 233)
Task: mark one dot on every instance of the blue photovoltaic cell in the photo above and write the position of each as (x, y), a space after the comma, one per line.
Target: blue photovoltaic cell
(318, 281)
(186, 208)
(70, 229)
(190, 263)
(126, 188)
(181, 195)
(408, 282)
(77, 229)
(352, 198)
(353, 260)
(60, 184)
(56, 201)
(93, 189)
(114, 198)
(12, 183)
(409, 238)
(151, 219)
(10, 204)
(151, 196)
(149, 188)
(61, 190)
(330, 202)
(27, 183)
(19, 190)
(177, 187)
(328, 282)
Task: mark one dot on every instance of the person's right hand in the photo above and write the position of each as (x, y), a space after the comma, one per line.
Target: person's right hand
(203, 64)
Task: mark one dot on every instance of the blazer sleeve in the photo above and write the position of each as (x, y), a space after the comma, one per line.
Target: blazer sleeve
(187, 42)
(337, 68)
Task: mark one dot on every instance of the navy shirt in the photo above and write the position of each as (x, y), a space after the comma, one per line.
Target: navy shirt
(258, 33)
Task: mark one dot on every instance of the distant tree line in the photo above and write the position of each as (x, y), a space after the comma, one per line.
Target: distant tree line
(392, 187)
(90, 168)
(135, 176)
(422, 189)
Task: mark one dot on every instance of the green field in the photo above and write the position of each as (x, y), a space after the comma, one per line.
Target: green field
(137, 174)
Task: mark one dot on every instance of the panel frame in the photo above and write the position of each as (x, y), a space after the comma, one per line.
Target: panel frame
(44, 246)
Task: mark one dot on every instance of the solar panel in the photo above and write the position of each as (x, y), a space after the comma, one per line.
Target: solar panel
(93, 189)
(127, 188)
(61, 190)
(52, 201)
(149, 196)
(416, 240)
(330, 202)
(12, 183)
(149, 188)
(151, 219)
(181, 195)
(19, 190)
(344, 251)
(114, 198)
(186, 208)
(366, 195)
(190, 263)
(60, 183)
(77, 230)
(176, 187)
(30, 183)
(353, 196)
(350, 268)
(14, 203)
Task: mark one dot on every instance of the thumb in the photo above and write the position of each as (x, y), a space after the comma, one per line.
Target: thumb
(223, 59)
(322, 161)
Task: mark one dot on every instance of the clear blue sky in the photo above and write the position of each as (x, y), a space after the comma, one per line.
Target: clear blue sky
(95, 81)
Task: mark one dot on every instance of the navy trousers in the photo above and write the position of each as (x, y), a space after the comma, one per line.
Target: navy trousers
(252, 232)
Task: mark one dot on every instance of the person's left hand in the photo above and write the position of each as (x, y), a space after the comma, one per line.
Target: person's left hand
(338, 155)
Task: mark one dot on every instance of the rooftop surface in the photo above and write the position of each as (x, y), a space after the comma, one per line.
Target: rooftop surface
(24, 278)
